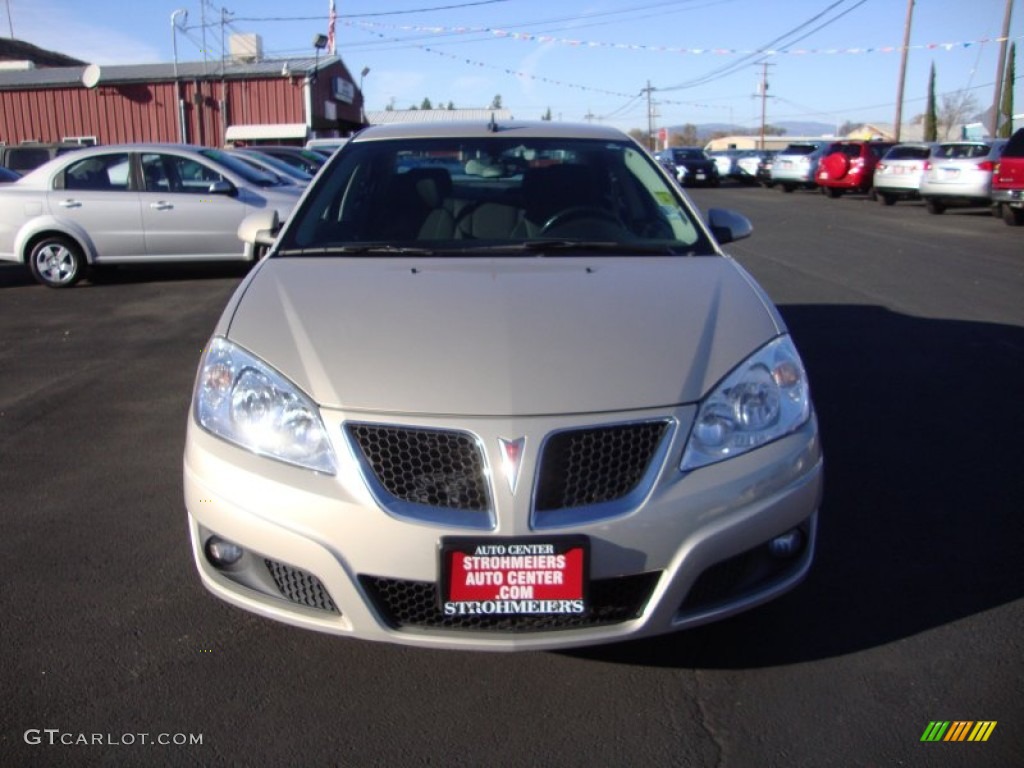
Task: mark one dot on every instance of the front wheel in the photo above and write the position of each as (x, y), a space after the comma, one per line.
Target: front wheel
(56, 262)
(934, 206)
(884, 198)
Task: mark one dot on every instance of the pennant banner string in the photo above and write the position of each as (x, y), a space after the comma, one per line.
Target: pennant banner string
(716, 51)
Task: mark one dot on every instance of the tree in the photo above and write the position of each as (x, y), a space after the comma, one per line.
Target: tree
(496, 102)
(639, 135)
(546, 115)
(847, 128)
(451, 106)
(1006, 107)
(688, 138)
(956, 109)
(425, 104)
(931, 117)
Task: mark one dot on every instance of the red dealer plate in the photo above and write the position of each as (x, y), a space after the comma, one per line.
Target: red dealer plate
(509, 576)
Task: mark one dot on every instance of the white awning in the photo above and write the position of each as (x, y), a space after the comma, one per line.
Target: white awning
(271, 131)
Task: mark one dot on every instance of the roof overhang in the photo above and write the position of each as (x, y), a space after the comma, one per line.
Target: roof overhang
(270, 131)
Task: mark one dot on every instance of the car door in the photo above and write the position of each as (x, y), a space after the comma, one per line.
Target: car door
(182, 218)
(94, 193)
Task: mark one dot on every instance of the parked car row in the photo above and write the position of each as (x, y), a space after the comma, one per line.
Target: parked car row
(944, 174)
(133, 203)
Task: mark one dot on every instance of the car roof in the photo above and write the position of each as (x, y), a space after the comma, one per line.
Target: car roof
(526, 129)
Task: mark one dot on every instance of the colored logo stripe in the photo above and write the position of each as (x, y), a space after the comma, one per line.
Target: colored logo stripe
(958, 730)
(982, 730)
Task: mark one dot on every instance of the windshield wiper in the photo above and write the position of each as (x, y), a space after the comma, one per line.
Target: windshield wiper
(585, 246)
(370, 248)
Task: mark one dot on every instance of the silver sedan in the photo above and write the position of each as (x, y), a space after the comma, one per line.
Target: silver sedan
(497, 387)
(133, 203)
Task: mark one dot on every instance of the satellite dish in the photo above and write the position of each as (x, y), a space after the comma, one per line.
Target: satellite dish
(91, 76)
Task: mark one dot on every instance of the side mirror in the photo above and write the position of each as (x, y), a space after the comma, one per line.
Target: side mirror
(260, 228)
(223, 188)
(728, 226)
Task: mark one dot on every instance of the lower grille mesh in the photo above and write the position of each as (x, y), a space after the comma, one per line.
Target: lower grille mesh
(300, 587)
(416, 604)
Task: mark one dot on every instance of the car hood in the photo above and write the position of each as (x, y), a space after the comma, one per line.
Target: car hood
(509, 336)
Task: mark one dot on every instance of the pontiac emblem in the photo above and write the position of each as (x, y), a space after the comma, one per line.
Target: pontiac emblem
(511, 457)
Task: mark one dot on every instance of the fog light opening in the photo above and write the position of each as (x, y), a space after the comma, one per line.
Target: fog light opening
(788, 545)
(222, 553)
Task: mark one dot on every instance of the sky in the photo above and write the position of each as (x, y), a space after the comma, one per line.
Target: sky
(833, 61)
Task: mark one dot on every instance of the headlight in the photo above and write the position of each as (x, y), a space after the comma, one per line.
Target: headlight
(763, 399)
(243, 400)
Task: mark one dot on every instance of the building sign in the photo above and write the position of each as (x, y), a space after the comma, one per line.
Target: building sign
(343, 90)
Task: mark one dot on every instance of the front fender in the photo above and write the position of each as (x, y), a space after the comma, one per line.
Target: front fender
(54, 225)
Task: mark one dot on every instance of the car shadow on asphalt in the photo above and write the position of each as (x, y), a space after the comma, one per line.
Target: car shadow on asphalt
(15, 275)
(921, 523)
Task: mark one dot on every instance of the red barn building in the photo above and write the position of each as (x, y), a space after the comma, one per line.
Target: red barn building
(206, 102)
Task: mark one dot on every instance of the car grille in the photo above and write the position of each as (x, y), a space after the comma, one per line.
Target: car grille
(435, 468)
(589, 466)
(416, 604)
(300, 587)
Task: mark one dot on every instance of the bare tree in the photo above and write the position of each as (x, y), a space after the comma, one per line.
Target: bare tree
(639, 135)
(955, 110)
(688, 137)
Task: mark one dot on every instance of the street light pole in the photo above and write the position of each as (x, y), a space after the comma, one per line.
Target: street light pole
(182, 132)
(362, 100)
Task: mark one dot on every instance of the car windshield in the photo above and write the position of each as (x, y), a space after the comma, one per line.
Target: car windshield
(961, 151)
(496, 194)
(801, 149)
(907, 152)
(246, 171)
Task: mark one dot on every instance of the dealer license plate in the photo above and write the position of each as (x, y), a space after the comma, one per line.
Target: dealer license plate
(514, 576)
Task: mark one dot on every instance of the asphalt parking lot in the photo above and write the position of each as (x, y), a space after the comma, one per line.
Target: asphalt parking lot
(912, 329)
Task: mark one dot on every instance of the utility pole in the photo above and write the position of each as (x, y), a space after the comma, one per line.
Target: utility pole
(903, 71)
(1000, 69)
(764, 98)
(650, 117)
(202, 19)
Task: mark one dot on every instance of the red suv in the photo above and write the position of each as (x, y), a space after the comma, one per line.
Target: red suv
(850, 166)
(1008, 181)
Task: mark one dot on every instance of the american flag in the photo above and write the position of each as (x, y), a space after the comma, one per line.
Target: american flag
(331, 18)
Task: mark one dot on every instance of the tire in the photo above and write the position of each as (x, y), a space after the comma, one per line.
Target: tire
(885, 198)
(832, 192)
(934, 206)
(56, 262)
(1014, 217)
(787, 188)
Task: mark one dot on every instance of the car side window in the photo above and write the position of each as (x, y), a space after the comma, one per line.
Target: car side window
(186, 175)
(99, 172)
(154, 173)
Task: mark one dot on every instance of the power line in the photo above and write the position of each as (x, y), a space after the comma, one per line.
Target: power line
(735, 66)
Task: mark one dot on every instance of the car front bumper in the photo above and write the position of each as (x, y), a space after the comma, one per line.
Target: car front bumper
(322, 553)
